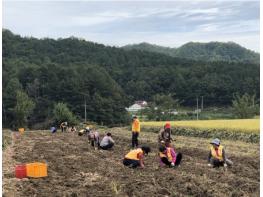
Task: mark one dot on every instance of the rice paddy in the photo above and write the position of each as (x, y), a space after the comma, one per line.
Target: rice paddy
(244, 125)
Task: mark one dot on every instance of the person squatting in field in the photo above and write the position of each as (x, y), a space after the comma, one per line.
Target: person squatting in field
(135, 131)
(73, 129)
(107, 142)
(165, 133)
(84, 131)
(217, 155)
(53, 129)
(135, 157)
(81, 132)
(168, 155)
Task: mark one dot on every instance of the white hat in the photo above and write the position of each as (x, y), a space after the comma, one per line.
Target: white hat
(215, 141)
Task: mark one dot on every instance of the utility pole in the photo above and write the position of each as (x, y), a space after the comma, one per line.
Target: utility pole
(202, 104)
(196, 108)
(85, 111)
(4, 112)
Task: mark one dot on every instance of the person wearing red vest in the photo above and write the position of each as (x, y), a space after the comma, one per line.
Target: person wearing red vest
(217, 155)
(136, 128)
(169, 157)
(135, 157)
(165, 133)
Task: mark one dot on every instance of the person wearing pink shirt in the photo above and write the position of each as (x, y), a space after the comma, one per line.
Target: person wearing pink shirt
(169, 157)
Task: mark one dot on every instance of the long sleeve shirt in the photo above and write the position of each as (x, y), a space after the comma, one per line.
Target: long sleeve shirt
(173, 154)
(164, 135)
(106, 141)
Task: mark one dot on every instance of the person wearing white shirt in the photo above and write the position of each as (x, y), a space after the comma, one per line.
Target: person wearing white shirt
(107, 142)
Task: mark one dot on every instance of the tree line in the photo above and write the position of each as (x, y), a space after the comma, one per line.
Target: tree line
(72, 71)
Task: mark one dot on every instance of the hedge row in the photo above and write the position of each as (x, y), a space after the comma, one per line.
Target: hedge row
(210, 133)
(6, 139)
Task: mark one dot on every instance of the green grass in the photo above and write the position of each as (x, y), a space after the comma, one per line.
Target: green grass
(6, 138)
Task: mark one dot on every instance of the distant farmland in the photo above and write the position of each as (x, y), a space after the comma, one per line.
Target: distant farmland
(246, 130)
(244, 125)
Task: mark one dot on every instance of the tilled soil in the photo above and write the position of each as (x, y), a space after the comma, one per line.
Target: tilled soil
(76, 169)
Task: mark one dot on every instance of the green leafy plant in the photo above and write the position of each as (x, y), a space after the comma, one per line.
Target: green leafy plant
(62, 113)
(24, 107)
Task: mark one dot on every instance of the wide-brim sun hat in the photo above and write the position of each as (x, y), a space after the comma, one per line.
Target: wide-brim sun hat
(215, 141)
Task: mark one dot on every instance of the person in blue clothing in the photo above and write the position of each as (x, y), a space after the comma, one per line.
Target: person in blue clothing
(53, 129)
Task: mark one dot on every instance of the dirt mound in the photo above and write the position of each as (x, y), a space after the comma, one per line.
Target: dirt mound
(75, 169)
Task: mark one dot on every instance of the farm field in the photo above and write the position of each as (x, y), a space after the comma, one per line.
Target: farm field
(244, 125)
(75, 169)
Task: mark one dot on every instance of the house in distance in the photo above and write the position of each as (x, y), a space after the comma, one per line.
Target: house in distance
(137, 106)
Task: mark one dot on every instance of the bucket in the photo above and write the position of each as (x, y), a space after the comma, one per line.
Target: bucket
(20, 171)
(36, 170)
(21, 130)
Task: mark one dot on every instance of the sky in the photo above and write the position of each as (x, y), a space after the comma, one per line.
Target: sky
(116, 23)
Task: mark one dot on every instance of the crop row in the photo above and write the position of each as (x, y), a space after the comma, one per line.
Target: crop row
(210, 133)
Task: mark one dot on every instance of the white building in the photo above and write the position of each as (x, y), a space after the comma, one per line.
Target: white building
(139, 105)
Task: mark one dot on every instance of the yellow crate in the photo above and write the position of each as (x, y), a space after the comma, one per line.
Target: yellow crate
(36, 170)
(21, 130)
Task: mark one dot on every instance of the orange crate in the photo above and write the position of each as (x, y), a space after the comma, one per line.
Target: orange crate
(21, 130)
(36, 170)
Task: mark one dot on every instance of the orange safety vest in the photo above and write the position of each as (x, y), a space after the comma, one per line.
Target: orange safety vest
(168, 154)
(218, 156)
(134, 154)
(136, 125)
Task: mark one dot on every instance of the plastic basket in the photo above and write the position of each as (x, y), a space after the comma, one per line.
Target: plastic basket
(36, 170)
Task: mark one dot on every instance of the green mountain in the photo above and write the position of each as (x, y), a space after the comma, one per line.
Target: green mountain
(212, 51)
(151, 48)
(71, 70)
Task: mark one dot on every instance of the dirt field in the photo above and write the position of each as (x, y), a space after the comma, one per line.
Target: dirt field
(74, 169)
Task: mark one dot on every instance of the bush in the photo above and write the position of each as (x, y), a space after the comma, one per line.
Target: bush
(245, 107)
(24, 107)
(62, 113)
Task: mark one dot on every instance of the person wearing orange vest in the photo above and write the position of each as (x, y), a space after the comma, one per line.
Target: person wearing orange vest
(217, 156)
(136, 128)
(169, 157)
(135, 157)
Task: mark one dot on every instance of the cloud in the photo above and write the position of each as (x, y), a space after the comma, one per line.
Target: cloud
(167, 22)
(91, 20)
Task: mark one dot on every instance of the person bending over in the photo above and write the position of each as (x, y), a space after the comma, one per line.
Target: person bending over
(135, 158)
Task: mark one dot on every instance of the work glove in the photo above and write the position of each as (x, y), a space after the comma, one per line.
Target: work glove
(172, 164)
(209, 165)
(225, 165)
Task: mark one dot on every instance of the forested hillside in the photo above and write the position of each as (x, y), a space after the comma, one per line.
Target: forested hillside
(109, 78)
(212, 51)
